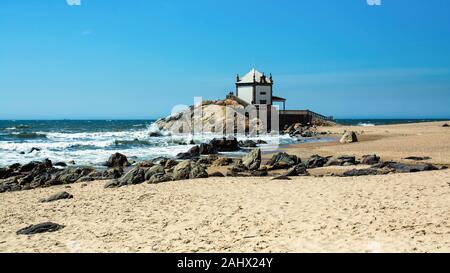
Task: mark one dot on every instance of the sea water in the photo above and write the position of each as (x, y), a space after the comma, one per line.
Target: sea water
(91, 142)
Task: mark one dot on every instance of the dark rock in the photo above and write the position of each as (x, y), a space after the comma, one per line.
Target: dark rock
(281, 177)
(252, 160)
(134, 176)
(370, 159)
(410, 168)
(349, 137)
(160, 178)
(83, 185)
(156, 169)
(170, 163)
(216, 174)
(238, 167)
(298, 170)
(6, 172)
(197, 171)
(111, 184)
(147, 164)
(9, 184)
(117, 160)
(259, 172)
(418, 158)
(57, 196)
(283, 160)
(445, 125)
(229, 144)
(316, 161)
(308, 133)
(361, 172)
(45, 164)
(69, 175)
(247, 144)
(60, 164)
(182, 170)
(155, 134)
(232, 173)
(111, 174)
(34, 149)
(207, 149)
(72, 162)
(192, 153)
(349, 160)
(222, 161)
(260, 141)
(39, 228)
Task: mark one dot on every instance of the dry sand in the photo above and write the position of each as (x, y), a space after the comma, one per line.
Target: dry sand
(389, 213)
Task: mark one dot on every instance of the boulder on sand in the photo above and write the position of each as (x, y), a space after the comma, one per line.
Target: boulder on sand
(117, 160)
(134, 176)
(57, 196)
(156, 169)
(207, 149)
(39, 228)
(252, 160)
(298, 170)
(283, 160)
(229, 144)
(349, 137)
(189, 170)
(370, 159)
(316, 161)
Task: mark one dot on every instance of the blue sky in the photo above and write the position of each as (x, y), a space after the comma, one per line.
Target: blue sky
(139, 58)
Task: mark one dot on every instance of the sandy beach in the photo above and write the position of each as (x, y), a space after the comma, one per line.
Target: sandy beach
(385, 213)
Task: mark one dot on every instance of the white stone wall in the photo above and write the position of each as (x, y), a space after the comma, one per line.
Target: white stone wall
(245, 93)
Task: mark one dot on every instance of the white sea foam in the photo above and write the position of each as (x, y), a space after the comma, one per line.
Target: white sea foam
(365, 124)
(94, 148)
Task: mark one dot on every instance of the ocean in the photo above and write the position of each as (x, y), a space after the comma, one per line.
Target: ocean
(91, 142)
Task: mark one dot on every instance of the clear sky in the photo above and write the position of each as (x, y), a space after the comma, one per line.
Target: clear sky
(139, 58)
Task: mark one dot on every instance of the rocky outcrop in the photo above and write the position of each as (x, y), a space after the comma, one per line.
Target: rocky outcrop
(212, 118)
(349, 137)
(134, 176)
